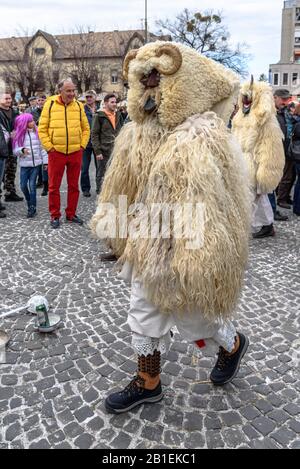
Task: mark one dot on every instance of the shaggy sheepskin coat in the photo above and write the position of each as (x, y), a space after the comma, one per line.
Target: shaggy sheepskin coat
(260, 137)
(184, 153)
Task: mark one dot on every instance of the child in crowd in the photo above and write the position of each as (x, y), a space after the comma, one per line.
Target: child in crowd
(28, 148)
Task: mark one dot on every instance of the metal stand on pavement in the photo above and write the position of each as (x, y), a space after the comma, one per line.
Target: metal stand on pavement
(45, 322)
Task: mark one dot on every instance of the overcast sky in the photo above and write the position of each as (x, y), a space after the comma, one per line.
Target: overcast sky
(256, 22)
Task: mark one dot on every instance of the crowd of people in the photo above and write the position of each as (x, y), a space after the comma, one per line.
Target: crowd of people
(288, 115)
(50, 136)
(60, 132)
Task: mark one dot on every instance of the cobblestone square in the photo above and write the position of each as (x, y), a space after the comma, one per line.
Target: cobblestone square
(52, 387)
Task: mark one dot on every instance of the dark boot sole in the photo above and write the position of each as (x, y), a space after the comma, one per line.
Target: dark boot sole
(108, 259)
(10, 201)
(149, 400)
(68, 222)
(268, 235)
(229, 380)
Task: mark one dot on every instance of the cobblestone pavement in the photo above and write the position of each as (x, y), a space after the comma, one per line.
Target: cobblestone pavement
(52, 387)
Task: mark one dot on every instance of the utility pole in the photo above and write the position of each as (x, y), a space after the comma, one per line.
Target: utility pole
(146, 21)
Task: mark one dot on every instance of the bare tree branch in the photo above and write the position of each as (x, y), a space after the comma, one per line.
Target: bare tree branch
(23, 69)
(207, 34)
(83, 48)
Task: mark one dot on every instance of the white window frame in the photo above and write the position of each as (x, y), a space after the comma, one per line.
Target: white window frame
(288, 79)
(39, 51)
(278, 75)
(114, 77)
(295, 83)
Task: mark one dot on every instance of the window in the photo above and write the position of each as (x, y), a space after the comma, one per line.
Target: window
(276, 79)
(297, 36)
(285, 79)
(56, 76)
(40, 81)
(114, 77)
(40, 51)
(295, 79)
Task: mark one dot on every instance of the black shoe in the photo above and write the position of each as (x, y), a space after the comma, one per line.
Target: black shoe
(265, 232)
(108, 258)
(133, 395)
(2, 215)
(75, 220)
(2, 207)
(285, 205)
(55, 223)
(31, 212)
(290, 201)
(227, 366)
(45, 189)
(39, 184)
(86, 194)
(13, 197)
(279, 217)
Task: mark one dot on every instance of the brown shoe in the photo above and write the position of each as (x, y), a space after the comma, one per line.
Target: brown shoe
(285, 205)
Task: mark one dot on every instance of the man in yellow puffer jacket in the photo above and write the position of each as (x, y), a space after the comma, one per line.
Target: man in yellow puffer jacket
(64, 132)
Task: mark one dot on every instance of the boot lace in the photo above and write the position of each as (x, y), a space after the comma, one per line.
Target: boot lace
(136, 385)
(223, 359)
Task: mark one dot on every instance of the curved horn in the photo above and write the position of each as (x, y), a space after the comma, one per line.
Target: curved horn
(252, 81)
(172, 51)
(129, 57)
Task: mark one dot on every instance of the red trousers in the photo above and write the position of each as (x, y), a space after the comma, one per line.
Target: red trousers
(57, 162)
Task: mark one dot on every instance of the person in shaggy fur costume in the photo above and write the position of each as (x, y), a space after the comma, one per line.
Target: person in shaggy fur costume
(256, 128)
(177, 150)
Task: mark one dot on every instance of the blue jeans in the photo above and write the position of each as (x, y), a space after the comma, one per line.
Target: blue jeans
(2, 170)
(86, 161)
(45, 175)
(28, 178)
(297, 191)
(272, 198)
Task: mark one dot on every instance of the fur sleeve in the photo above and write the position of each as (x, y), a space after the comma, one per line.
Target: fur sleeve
(118, 181)
(270, 158)
(198, 164)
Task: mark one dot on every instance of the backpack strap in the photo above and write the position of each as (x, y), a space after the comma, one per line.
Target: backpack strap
(51, 105)
(80, 110)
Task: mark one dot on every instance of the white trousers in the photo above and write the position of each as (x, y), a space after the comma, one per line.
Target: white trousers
(151, 328)
(262, 212)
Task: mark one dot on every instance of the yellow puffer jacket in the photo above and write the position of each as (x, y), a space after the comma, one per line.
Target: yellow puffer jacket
(63, 127)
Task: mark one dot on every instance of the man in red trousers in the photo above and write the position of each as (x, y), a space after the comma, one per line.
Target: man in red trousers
(64, 132)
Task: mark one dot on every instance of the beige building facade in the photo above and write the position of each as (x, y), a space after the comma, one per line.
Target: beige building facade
(286, 73)
(94, 60)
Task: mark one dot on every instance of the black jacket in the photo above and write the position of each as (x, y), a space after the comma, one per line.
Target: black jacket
(281, 117)
(296, 131)
(8, 124)
(90, 116)
(3, 145)
(103, 133)
(36, 114)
